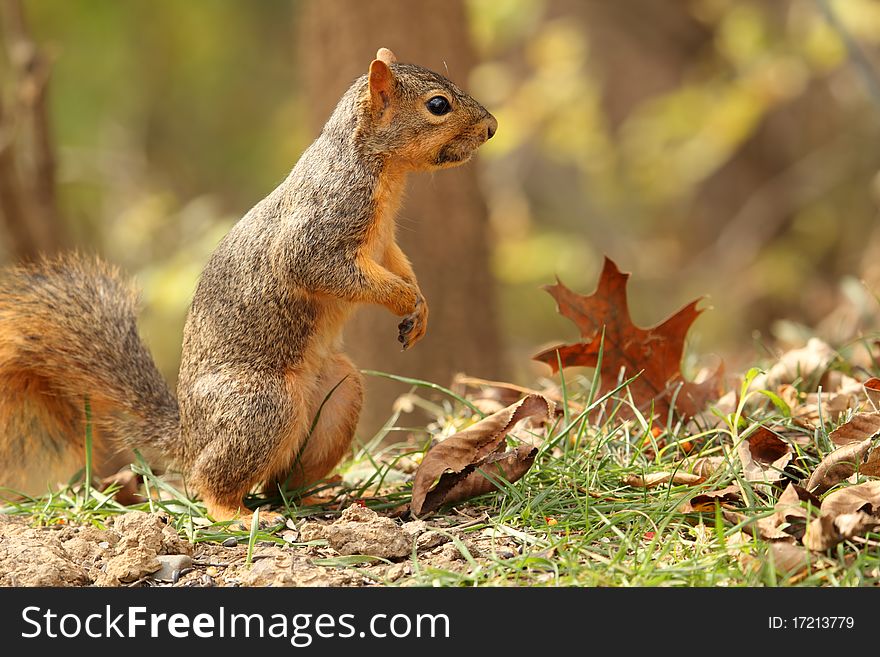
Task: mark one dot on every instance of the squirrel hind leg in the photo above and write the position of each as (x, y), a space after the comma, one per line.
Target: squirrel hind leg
(241, 446)
(331, 437)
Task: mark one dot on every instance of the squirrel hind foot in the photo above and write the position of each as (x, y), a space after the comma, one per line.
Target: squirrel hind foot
(241, 517)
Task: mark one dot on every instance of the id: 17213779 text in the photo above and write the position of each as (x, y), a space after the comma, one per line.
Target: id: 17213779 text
(811, 623)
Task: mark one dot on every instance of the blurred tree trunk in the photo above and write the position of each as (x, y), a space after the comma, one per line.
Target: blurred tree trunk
(443, 225)
(28, 206)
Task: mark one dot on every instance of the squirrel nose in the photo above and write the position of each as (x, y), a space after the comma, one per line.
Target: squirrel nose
(491, 127)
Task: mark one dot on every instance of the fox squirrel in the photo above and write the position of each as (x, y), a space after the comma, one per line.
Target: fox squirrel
(262, 341)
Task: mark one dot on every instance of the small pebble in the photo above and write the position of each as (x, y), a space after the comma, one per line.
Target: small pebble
(207, 581)
(211, 570)
(430, 539)
(230, 542)
(505, 553)
(397, 571)
(169, 564)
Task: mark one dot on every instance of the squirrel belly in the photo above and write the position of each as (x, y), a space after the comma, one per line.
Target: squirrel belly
(265, 396)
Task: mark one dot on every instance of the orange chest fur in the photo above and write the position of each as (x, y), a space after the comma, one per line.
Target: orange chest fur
(387, 199)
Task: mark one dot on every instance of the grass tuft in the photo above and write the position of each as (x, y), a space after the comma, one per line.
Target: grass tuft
(571, 520)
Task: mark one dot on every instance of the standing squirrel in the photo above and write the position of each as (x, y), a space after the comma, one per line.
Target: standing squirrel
(262, 341)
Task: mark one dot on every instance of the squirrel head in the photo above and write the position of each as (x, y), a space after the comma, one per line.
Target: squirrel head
(419, 119)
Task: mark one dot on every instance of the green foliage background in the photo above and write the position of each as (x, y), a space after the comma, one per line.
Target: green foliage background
(721, 147)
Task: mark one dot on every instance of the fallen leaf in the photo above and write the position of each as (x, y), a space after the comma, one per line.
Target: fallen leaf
(821, 534)
(861, 497)
(766, 446)
(764, 456)
(706, 466)
(872, 389)
(454, 464)
(788, 558)
(847, 512)
(855, 524)
(835, 381)
(746, 524)
(657, 478)
(837, 466)
(806, 496)
(871, 466)
(828, 530)
(799, 433)
(628, 350)
(789, 518)
(705, 501)
(860, 427)
(839, 395)
(509, 465)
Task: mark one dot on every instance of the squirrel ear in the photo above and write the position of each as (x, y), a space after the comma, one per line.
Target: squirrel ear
(386, 56)
(381, 84)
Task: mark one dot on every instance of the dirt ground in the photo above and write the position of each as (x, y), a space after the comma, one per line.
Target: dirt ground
(141, 549)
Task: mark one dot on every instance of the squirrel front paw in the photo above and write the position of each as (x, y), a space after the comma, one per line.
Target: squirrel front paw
(414, 325)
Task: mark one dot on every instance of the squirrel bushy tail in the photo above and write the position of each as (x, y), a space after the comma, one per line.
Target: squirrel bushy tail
(68, 335)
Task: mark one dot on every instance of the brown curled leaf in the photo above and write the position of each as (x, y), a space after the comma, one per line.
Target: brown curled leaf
(509, 465)
(764, 456)
(837, 466)
(872, 389)
(828, 530)
(706, 466)
(448, 465)
(766, 446)
(657, 478)
(860, 427)
(789, 518)
(706, 500)
(788, 558)
(871, 466)
(847, 512)
(861, 497)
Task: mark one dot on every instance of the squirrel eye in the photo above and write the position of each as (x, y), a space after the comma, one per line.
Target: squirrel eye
(438, 105)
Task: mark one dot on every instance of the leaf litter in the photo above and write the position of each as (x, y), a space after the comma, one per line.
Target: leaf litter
(795, 473)
(782, 460)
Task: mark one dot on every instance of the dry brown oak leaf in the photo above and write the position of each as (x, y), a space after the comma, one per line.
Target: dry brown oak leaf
(655, 352)
(453, 470)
